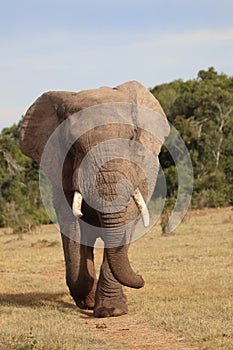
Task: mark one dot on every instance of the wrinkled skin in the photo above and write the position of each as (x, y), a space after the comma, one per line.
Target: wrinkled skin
(104, 295)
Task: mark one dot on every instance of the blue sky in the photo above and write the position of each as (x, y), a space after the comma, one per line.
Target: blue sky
(74, 45)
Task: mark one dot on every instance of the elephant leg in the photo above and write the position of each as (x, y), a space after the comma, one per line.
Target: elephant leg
(79, 258)
(80, 272)
(109, 300)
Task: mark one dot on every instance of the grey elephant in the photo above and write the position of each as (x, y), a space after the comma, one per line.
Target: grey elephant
(60, 131)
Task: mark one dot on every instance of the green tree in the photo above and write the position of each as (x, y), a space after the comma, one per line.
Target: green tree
(202, 111)
(20, 202)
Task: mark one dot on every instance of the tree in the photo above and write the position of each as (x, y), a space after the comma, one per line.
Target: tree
(202, 111)
(20, 202)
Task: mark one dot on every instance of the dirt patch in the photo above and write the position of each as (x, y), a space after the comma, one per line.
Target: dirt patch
(134, 333)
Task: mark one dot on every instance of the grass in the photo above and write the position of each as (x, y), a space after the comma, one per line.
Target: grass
(188, 291)
(189, 277)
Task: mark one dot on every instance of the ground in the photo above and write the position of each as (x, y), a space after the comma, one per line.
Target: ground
(137, 334)
(186, 302)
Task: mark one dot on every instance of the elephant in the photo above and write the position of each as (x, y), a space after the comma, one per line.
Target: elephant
(81, 219)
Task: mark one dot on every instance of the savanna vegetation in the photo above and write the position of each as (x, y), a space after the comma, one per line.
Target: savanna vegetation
(200, 109)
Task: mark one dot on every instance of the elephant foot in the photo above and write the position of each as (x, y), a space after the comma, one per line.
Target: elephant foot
(110, 308)
(86, 303)
(110, 301)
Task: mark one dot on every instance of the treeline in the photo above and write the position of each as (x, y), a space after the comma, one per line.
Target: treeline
(20, 202)
(200, 109)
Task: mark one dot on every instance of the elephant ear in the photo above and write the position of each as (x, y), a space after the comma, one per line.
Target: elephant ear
(140, 95)
(152, 121)
(40, 121)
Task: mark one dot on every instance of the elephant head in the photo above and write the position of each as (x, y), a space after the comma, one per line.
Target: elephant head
(89, 126)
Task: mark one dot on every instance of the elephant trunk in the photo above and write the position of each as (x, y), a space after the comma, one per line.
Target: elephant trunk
(118, 227)
(117, 205)
(121, 269)
(117, 239)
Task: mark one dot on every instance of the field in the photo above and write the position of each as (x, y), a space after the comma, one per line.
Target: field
(187, 302)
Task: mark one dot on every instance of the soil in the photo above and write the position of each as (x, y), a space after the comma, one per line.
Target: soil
(134, 333)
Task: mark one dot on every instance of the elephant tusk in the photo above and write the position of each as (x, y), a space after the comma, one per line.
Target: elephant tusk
(142, 207)
(77, 204)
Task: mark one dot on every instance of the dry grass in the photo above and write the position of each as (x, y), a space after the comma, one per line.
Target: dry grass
(188, 292)
(189, 276)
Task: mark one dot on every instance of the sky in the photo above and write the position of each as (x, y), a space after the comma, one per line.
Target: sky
(74, 45)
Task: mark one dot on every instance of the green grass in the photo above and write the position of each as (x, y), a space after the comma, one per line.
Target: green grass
(188, 290)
